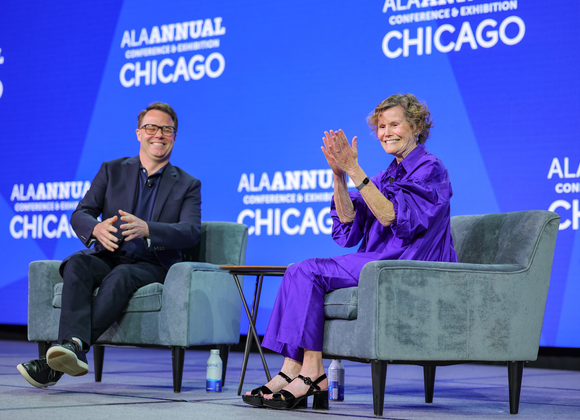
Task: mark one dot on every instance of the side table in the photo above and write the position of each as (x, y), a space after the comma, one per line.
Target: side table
(259, 272)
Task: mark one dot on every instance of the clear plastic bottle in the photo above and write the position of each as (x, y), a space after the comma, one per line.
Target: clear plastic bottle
(213, 379)
(336, 381)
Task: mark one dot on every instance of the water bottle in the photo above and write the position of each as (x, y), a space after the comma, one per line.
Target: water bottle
(336, 379)
(213, 379)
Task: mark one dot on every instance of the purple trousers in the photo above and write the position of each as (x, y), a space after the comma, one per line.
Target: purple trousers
(297, 320)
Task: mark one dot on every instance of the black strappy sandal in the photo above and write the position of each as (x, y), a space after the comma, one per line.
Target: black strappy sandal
(256, 397)
(285, 400)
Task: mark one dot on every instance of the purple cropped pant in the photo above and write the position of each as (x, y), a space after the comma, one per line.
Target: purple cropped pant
(297, 320)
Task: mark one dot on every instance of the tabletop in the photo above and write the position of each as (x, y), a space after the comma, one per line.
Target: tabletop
(258, 269)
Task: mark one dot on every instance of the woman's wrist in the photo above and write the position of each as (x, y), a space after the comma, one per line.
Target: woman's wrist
(357, 175)
(340, 179)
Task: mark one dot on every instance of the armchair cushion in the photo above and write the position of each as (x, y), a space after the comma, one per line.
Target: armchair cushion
(341, 304)
(145, 299)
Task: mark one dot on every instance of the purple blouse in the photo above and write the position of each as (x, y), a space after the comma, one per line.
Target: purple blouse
(420, 191)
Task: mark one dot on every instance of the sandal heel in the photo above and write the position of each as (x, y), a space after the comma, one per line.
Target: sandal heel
(320, 400)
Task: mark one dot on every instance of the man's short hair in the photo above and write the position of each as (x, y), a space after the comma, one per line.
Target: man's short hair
(159, 106)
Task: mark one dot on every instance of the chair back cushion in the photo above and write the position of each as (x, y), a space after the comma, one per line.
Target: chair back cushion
(502, 238)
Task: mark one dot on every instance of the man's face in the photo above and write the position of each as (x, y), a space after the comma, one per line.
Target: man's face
(156, 147)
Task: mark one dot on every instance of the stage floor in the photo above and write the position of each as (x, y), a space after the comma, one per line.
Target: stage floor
(137, 384)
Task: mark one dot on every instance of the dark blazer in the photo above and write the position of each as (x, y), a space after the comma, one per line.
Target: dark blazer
(176, 218)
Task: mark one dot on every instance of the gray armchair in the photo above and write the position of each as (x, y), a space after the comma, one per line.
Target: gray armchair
(488, 307)
(198, 304)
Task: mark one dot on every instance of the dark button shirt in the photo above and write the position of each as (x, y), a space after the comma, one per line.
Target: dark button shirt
(145, 194)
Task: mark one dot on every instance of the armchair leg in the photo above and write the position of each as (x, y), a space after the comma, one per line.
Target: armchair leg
(224, 354)
(177, 357)
(429, 379)
(98, 359)
(43, 347)
(515, 371)
(379, 378)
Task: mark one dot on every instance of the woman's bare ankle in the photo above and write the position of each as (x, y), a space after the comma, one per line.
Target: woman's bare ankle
(291, 368)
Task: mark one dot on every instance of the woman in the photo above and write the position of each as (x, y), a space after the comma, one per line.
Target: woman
(401, 213)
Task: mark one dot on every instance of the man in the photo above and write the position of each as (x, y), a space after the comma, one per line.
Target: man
(150, 211)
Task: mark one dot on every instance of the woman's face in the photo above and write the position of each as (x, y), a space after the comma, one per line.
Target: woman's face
(395, 133)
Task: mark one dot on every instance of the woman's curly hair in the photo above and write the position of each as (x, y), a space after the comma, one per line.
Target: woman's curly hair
(416, 113)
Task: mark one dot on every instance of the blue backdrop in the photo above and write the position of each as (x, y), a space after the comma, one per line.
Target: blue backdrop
(256, 83)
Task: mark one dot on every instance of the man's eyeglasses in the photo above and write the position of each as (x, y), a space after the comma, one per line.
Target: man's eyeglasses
(152, 129)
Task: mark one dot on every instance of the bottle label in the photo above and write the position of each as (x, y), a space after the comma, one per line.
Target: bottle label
(335, 391)
(212, 385)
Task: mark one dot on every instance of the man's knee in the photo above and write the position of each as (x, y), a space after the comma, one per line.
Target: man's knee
(77, 267)
(85, 268)
(77, 261)
(122, 279)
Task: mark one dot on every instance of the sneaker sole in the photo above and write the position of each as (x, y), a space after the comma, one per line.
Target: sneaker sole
(30, 380)
(66, 361)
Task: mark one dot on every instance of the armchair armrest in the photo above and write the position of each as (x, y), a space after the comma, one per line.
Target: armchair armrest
(42, 277)
(205, 299)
